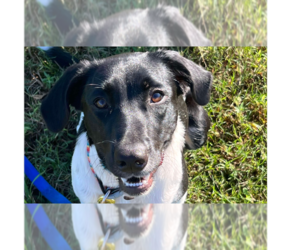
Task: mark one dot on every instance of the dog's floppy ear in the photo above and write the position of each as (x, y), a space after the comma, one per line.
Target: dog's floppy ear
(196, 83)
(67, 91)
(189, 75)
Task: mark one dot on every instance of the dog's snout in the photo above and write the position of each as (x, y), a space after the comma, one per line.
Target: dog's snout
(132, 158)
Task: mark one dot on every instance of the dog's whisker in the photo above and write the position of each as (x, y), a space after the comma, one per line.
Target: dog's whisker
(95, 161)
(105, 141)
(99, 165)
(94, 85)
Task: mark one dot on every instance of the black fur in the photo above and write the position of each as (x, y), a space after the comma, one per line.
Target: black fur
(131, 128)
(60, 56)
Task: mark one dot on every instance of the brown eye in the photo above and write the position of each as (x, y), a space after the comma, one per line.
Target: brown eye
(157, 97)
(101, 103)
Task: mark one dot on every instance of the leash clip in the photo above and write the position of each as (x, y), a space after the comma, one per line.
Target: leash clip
(103, 199)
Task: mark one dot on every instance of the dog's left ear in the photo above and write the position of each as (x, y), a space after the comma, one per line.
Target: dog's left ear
(67, 91)
(192, 77)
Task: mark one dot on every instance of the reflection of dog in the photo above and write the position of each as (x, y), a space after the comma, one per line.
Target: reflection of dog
(150, 226)
(140, 111)
(162, 26)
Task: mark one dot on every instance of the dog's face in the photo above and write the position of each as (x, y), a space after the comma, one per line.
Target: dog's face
(131, 107)
(131, 104)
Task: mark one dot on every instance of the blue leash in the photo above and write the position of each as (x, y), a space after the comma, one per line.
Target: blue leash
(42, 185)
(52, 236)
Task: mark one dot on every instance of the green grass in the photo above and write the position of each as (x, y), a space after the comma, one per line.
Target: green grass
(230, 227)
(230, 168)
(225, 23)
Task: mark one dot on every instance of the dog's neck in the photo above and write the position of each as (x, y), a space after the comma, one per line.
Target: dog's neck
(169, 182)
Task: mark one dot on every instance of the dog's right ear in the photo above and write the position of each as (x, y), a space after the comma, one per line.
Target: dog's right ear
(195, 83)
(67, 91)
(191, 77)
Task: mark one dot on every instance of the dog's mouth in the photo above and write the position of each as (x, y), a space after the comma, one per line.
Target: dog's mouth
(139, 185)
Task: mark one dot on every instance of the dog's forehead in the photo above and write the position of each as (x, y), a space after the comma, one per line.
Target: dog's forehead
(131, 68)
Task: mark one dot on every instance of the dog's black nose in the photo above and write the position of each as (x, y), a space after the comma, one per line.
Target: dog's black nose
(131, 159)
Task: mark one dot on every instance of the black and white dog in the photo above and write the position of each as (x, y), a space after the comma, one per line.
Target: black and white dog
(161, 26)
(141, 110)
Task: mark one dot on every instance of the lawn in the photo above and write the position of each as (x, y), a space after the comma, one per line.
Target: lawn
(230, 168)
(225, 23)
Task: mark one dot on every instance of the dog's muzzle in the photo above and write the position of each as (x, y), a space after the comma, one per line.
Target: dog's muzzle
(139, 185)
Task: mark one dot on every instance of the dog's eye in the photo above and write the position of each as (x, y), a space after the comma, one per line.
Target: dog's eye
(157, 97)
(101, 103)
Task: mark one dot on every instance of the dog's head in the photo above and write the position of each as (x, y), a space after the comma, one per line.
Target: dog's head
(131, 104)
